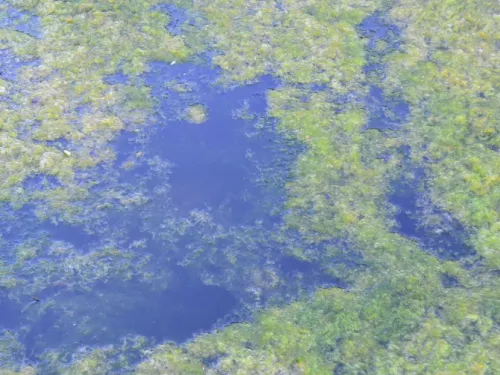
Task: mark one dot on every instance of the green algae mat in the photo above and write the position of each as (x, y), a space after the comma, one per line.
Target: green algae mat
(344, 220)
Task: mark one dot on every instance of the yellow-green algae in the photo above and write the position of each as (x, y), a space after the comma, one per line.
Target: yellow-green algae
(82, 42)
(397, 318)
(196, 114)
(449, 75)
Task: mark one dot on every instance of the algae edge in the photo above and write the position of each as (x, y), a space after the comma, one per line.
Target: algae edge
(402, 316)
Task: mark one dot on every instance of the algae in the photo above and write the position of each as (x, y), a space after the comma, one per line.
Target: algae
(404, 310)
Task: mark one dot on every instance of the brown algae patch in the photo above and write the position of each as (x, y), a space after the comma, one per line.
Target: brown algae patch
(196, 114)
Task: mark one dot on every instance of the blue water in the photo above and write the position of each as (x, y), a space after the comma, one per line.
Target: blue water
(230, 170)
(445, 238)
(385, 113)
(117, 78)
(116, 309)
(215, 164)
(21, 21)
(376, 29)
(221, 167)
(178, 17)
(10, 64)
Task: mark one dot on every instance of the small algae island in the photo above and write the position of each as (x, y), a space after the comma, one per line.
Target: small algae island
(196, 114)
(249, 187)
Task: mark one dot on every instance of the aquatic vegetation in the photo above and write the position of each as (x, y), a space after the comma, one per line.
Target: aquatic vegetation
(446, 75)
(69, 77)
(402, 309)
(196, 114)
(12, 355)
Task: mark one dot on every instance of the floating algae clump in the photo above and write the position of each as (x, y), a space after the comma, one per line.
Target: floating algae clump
(63, 99)
(196, 114)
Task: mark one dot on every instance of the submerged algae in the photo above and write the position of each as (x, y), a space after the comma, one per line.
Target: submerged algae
(447, 74)
(397, 316)
(71, 75)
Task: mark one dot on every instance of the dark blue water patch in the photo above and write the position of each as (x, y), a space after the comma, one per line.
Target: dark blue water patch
(10, 64)
(279, 5)
(344, 254)
(310, 89)
(178, 17)
(384, 113)
(72, 234)
(449, 281)
(9, 312)
(41, 182)
(342, 101)
(302, 278)
(177, 86)
(209, 55)
(21, 224)
(21, 21)
(83, 109)
(117, 78)
(434, 229)
(59, 143)
(192, 76)
(214, 163)
(212, 160)
(26, 129)
(18, 225)
(375, 67)
(112, 310)
(184, 310)
(376, 28)
(291, 265)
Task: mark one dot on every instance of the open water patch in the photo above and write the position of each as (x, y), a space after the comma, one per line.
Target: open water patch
(417, 218)
(376, 29)
(178, 16)
(217, 141)
(19, 20)
(9, 312)
(112, 310)
(10, 64)
(18, 225)
(384, 113)
(117, 78)
(310, 274)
